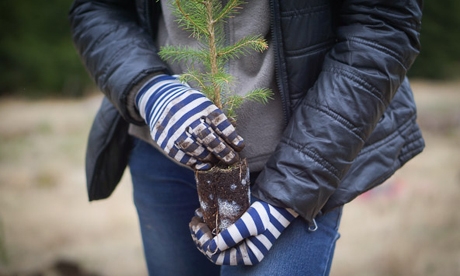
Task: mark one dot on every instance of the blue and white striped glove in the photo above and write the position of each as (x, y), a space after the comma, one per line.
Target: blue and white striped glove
(247, 240)
(186, 124)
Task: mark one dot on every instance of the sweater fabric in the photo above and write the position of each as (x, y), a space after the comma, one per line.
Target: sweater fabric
(260, 125)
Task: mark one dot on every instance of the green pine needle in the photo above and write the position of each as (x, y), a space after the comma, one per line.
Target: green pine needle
(182, 54)
(205, 20)
(229, 10)
(260, 95)
(243, 47)
(190, 15)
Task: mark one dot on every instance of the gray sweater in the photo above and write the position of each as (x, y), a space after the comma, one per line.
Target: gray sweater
(260, 125)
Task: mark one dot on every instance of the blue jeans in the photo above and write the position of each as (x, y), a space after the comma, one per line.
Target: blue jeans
(166, 198)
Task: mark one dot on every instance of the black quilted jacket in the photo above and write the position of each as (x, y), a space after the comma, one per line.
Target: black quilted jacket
(341, 69)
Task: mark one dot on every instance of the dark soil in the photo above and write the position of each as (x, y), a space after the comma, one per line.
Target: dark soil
(224, 194)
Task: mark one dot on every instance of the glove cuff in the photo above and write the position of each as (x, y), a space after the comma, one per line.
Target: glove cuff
(131, 104)
(291, 211)
(148, 84)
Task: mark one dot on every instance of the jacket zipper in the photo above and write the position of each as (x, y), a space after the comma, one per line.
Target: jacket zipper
(274, 17)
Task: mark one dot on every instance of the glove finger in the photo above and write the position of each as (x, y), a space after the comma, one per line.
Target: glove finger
(199, 213)
(238, 255)
(200, 232)
(217, 146)
(233, 256)
(223, 258)
(217, 258)
(246, 256)
(250, 252)
(224, 128)
(199, 166)
(172, 126)
(183, 158)
(257, 248)
(180, 156)
(191, 147)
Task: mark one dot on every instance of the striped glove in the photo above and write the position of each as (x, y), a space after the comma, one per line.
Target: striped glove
(247, 240)
(186, 124)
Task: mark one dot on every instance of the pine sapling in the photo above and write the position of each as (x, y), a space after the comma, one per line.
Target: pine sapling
(223, 191)
(205, 21)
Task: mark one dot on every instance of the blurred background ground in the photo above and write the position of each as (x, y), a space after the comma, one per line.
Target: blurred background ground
(408, 226)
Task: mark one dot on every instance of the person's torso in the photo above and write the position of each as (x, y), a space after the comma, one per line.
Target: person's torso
(261, 125)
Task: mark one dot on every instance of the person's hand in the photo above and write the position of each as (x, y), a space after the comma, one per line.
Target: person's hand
(186, 124)
(247, 240)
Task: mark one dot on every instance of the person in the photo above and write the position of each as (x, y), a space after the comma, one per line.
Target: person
(342, 121)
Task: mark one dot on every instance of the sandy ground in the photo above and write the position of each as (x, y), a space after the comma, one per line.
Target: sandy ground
(408, 226)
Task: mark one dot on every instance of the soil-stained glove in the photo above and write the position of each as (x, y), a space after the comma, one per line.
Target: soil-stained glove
(247, 240)
(186, 124)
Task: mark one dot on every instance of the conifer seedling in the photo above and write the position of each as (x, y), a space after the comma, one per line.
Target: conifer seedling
(205, 20)
(223, 191)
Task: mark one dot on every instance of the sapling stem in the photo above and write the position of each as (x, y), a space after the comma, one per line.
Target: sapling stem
(213, 53)
(205, 18)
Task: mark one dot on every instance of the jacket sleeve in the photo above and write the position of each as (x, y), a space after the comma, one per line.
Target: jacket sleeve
(377, 42)
(117, 51)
